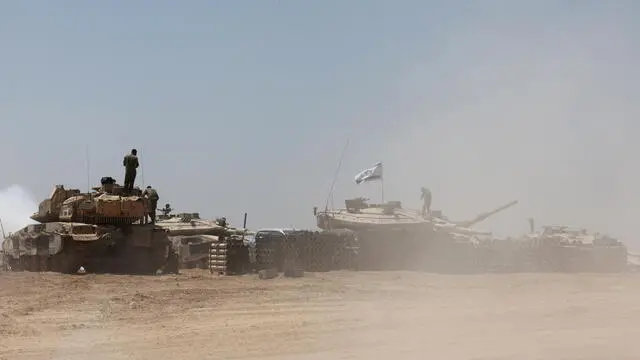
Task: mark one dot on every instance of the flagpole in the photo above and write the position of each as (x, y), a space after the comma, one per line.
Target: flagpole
(382, 182)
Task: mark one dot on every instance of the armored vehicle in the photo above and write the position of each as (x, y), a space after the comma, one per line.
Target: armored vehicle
(193, 250)
(555, 249)
(391, 237)
(189, 224)
(359, 215)
(193, 237)
(567, 249)
(101, 231)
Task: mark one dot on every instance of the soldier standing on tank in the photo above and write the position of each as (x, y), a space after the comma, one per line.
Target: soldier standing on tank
(152, 199)
(130, 164)
(166, 210)
(426, 204)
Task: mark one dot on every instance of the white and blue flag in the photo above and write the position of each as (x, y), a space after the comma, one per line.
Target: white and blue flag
(373, 173)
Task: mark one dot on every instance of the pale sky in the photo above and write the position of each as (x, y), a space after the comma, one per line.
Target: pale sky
(241, 106)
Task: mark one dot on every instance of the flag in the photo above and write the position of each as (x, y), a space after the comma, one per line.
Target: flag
(373, 173)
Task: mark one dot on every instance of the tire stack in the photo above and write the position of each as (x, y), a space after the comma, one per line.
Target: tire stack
(316, 251)
(238, 261)
(268, 253)
(293, 249)
(341, 246)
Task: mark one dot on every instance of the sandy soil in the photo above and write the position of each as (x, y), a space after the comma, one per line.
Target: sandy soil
(338, 315)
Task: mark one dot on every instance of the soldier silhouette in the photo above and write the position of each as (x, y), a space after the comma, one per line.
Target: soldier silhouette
(426, 201)
(152, 199)
(130, 164)
(166, 210)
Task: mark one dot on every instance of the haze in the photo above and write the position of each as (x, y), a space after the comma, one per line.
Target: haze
(245, 106)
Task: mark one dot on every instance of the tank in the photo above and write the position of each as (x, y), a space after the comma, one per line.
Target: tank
(359, 215)
(100, 231)
(193, 250)
(568, 249)
(393, 238)
(192, 237)
(189, 224)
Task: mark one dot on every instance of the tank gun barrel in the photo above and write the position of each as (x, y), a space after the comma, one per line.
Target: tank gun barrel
(486, 215)
(453, 228)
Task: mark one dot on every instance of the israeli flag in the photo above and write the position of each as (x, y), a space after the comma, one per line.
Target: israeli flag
(373, 173)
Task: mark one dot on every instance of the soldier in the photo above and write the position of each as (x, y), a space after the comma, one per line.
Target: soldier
(426, 198)
(222, 221)
(131, 164)
(166, 210)
(531, 225)
(152, 197)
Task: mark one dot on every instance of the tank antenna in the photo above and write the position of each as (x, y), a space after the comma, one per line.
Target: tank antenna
(2, 228)
(86, 154)
(335, 177)
(142, 175)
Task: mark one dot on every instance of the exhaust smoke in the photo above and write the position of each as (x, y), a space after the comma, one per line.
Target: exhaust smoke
(16, 205)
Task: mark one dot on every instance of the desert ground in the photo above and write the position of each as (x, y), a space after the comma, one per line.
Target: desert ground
(335, 315)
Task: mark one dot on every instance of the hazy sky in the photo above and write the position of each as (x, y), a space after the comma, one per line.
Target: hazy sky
(241, 106)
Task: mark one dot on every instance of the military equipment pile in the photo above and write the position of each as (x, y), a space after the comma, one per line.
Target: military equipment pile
(104, 231)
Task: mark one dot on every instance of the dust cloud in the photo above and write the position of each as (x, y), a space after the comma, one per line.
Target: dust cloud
(503, 110)
(16, 205)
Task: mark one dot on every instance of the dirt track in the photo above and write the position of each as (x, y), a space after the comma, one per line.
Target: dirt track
(341, 315)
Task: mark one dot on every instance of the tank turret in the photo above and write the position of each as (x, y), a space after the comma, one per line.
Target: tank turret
(190, 224)
(570, 249)
(358, 214)
(107, 205)
(49, 209)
